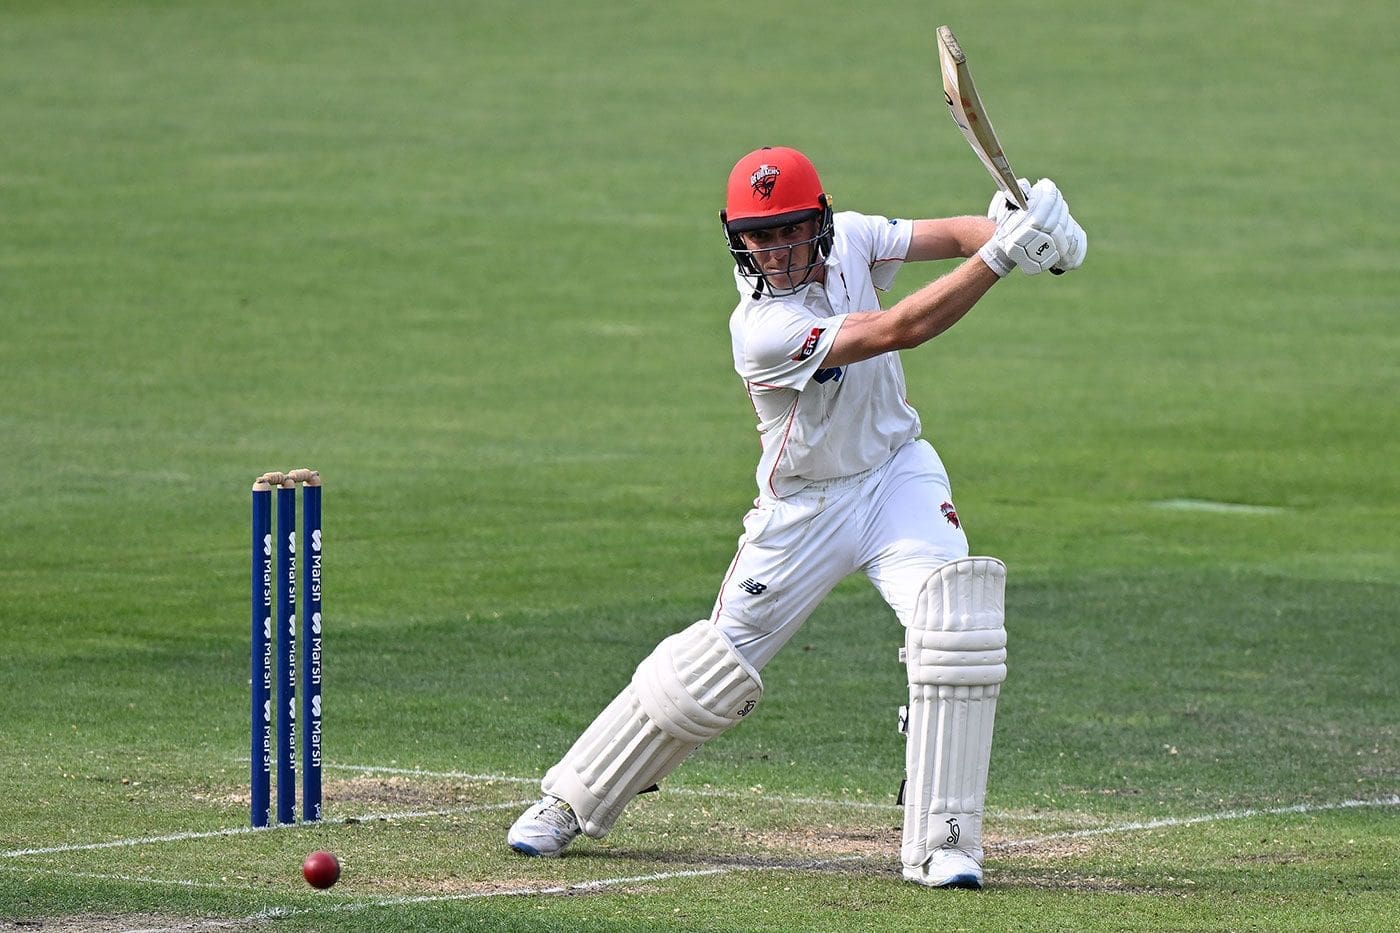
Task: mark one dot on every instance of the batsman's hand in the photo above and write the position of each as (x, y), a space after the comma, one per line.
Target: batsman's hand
(1025, 239)
(1071, 241)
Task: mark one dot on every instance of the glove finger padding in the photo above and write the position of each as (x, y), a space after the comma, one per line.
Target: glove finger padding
(1058, 214)
(1072, 243)
(1045, 204)
(1070, 240)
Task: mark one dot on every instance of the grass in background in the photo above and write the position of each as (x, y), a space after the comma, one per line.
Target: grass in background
(464, 260)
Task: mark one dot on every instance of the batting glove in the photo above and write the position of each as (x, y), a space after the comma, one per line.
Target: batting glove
(1025, 239)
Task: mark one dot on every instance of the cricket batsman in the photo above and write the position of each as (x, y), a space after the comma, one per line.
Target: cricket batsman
(846, 484)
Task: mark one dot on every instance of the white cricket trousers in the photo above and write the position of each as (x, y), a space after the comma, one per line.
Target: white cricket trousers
(896, 523)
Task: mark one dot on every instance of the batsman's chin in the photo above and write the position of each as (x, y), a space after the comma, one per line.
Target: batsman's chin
(783, 283)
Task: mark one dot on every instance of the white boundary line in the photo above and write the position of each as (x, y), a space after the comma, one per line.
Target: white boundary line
(1165, 822)
(134, 879)
(223, 886)
(420, 772)
(604, 883)
(601, 884)
(1172, 822)
(582, 887)
(243, 830)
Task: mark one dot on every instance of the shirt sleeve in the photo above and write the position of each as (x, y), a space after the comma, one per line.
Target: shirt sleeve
(888, 244)
(783, 347)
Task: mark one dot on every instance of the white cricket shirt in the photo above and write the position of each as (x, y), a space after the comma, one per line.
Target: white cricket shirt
(822, 423)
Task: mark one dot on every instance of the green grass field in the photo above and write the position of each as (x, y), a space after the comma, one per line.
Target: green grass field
(463, 258)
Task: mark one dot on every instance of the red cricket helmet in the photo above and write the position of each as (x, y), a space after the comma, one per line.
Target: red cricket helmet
(772, 187)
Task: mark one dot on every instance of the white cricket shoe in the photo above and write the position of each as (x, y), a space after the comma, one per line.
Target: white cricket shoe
(544, 830)
(947, 868)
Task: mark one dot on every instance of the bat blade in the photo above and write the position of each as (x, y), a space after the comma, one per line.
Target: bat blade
(970, 116)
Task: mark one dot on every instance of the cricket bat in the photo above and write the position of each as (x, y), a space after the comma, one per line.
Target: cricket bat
(971, 117)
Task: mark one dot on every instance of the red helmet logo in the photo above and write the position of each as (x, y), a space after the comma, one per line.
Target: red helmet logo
(763, 179)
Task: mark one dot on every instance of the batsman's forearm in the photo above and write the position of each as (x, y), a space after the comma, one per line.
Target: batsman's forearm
(939, 305)
(918, 318)
(974, 232)
(949, 237)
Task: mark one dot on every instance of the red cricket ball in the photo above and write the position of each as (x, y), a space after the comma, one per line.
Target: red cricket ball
(321, 869)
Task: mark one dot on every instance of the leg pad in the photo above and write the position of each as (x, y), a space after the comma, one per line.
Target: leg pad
(690, 689)
(955, 650)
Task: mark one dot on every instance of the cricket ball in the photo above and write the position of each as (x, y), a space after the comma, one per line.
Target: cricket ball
(321, 869)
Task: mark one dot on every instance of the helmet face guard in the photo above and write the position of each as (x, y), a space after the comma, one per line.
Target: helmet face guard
(770, 188)
(750, 262)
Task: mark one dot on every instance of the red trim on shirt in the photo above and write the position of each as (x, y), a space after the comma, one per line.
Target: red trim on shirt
(792, 416)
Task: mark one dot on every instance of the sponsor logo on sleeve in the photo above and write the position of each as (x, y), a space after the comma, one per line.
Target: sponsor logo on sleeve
(810, 345)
